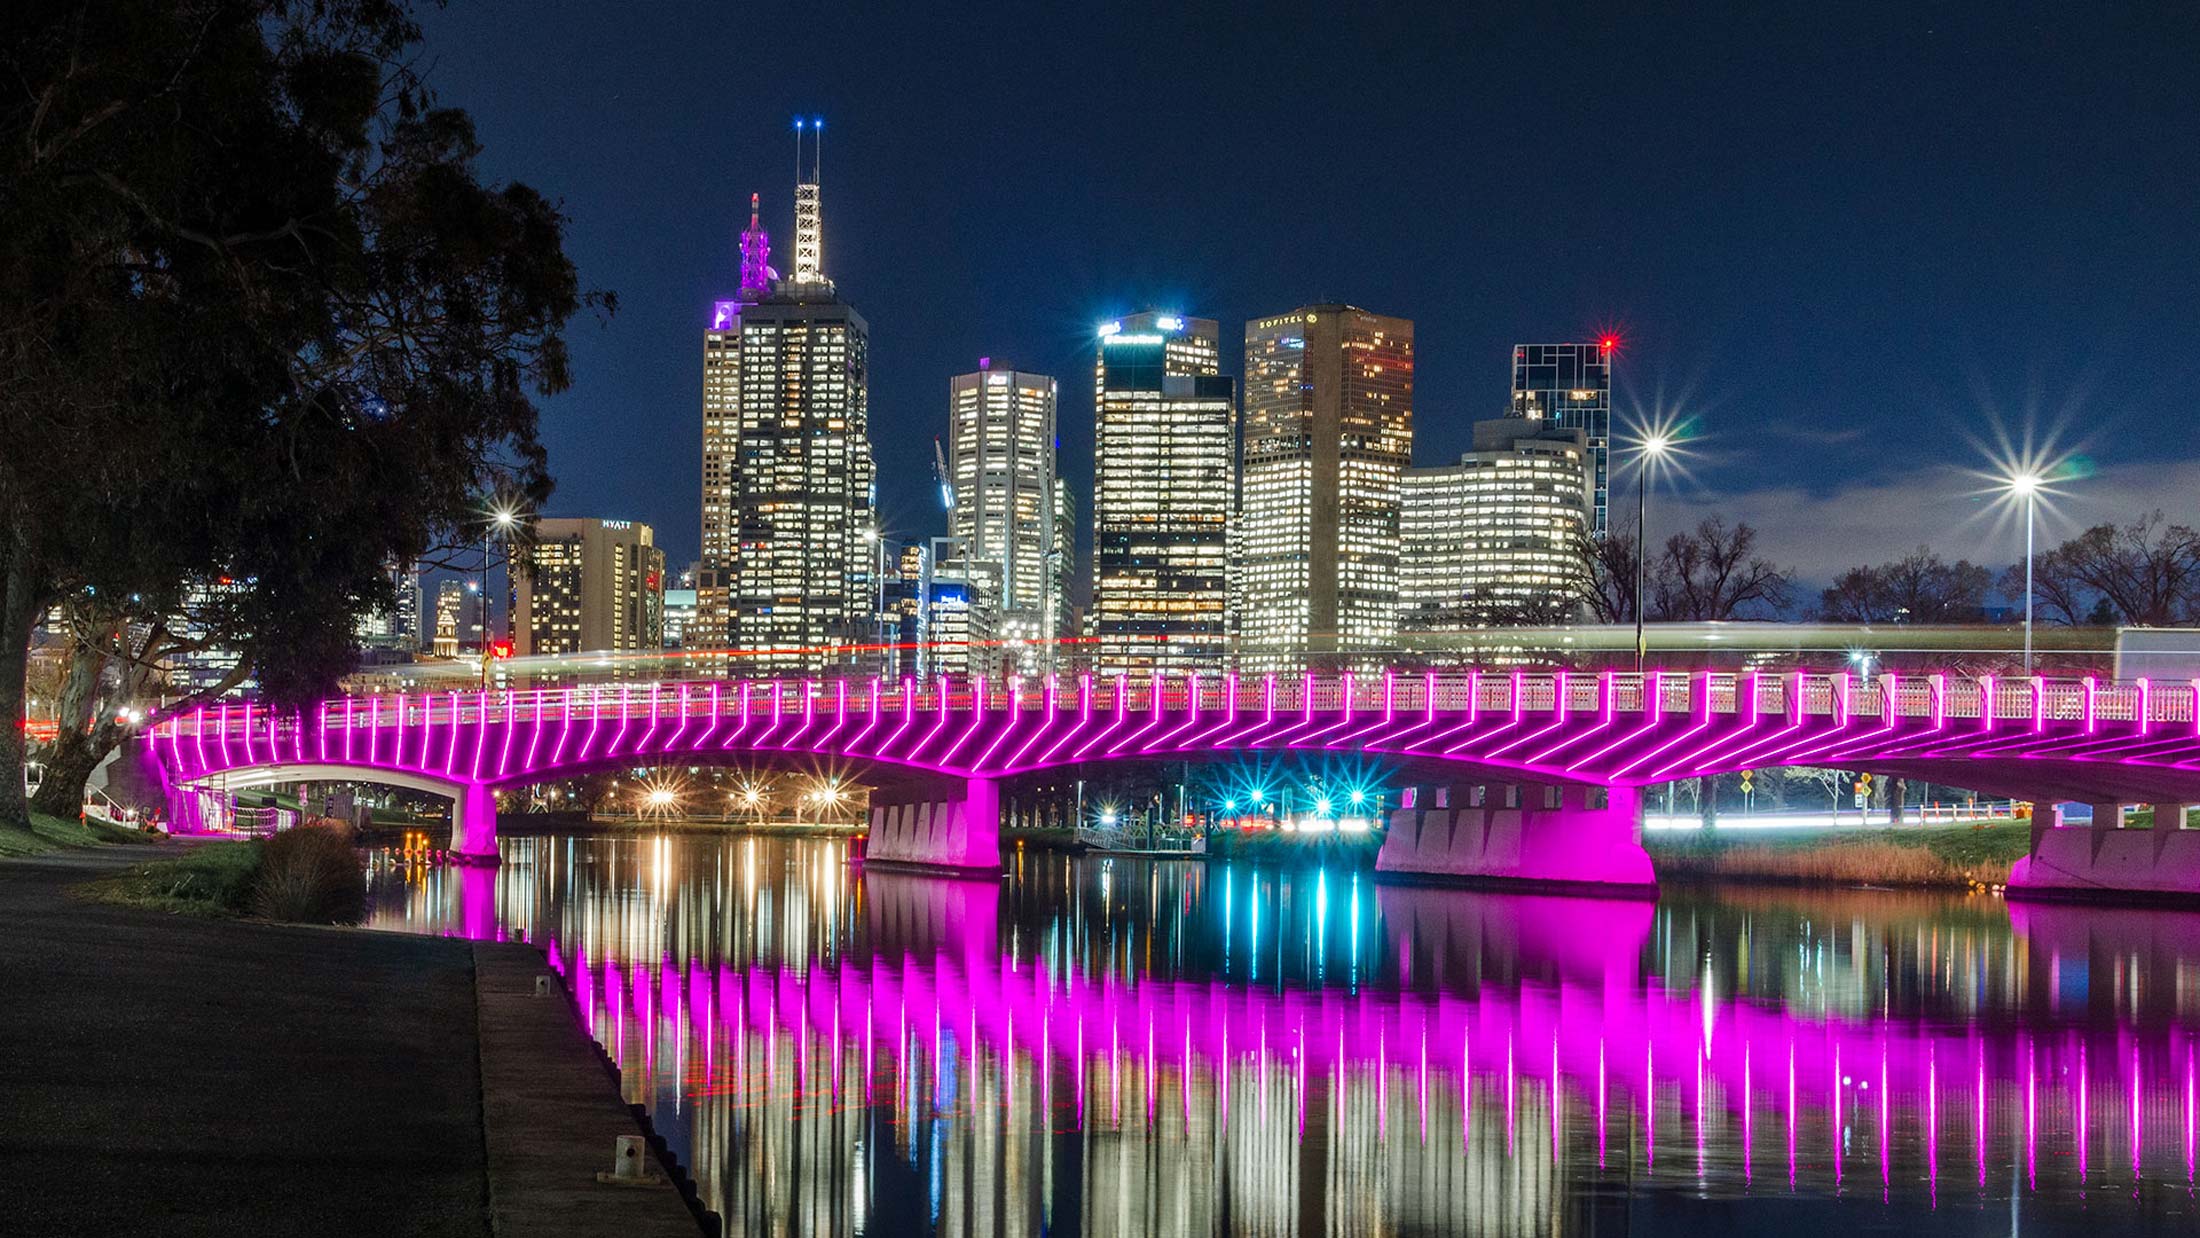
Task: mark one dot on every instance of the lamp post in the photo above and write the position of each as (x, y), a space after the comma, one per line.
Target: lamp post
(501, 522)
(1653, 446)
(2027, 485)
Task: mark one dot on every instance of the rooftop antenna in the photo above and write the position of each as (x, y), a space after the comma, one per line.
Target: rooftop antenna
(756, 254)
(809, 225)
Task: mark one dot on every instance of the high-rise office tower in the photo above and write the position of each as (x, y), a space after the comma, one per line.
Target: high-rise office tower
(1328, 429)
(1164, 484)
(788, 573)
(397, 628)
(1001, 462)
(1570, 386)
(586, 585)
(1499, 536)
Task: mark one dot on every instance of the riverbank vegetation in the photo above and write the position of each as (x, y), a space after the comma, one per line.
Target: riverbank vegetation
(1943, 857)
(308, 875)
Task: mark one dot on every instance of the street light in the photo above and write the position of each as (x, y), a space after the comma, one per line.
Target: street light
(1654, 446)
(2027, 487)
(502, 519)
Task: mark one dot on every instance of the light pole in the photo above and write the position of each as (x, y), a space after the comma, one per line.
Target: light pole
(1653, 446)
(877, 542)
(501, 521)
(2027, 485)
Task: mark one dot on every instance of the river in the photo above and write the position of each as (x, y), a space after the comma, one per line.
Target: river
(1122, 1046)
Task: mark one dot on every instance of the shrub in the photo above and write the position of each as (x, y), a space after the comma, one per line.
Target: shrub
(311, 874)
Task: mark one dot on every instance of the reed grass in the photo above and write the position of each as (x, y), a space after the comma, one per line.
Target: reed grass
(1944, 857)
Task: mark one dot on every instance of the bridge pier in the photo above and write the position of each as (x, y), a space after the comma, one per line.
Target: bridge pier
(474, 826)
(1570, 836)
(924, 829)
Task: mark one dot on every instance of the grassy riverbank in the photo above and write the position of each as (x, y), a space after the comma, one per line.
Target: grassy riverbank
(210, 879)
(308, 875)
(1939, 856)
(52, 833)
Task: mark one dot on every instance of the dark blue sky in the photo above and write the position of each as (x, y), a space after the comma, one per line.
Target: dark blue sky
(1853, 242)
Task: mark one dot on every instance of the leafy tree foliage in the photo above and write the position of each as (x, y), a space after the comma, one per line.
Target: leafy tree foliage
(1918, 588)
(260, 322)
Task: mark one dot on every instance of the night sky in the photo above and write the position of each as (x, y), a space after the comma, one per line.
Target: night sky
(1855, 247)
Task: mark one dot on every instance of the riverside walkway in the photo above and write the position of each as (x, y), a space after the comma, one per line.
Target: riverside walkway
(179, 1076)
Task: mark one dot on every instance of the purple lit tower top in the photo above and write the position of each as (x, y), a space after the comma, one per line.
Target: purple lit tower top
(756, 253)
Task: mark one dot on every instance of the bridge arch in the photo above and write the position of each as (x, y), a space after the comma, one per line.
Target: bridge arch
(473, 805)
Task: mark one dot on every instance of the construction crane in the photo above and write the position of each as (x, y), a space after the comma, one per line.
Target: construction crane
(939, 473)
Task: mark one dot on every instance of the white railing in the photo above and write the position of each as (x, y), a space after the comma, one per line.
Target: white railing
(1940, 698)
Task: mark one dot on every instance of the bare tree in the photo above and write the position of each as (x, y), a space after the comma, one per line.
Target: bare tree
(1610, 576)
(1919, 588)
(2147, 572)
(1714, 573)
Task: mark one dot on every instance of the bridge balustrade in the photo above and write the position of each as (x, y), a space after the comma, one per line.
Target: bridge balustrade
(1936, 697)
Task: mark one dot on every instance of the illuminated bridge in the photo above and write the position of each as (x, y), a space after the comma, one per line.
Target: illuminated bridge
(1517, 776)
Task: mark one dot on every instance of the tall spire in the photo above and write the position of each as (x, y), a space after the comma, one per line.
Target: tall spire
(756, 256)
(809, 224)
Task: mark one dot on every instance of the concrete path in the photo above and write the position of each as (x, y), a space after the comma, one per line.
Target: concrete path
(168, 1075)
(552, 1112)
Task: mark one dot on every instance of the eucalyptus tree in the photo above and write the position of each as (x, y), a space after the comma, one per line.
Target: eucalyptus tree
(264, 331)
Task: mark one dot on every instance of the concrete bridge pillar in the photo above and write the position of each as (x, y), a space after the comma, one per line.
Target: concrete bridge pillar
(2108, 816)
(1566, 836)
(474, 826)
(959, 831)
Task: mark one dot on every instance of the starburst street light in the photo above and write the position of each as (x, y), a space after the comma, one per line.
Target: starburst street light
(1653, 448)
(659, 797)
(2027, 484)
(503, 518)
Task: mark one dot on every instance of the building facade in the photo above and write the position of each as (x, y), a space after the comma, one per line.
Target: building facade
(1328, 431)
(1164, 487)
(1499, 537)
(1570, 386)
(457, 617)
(1001, 458)
(788, 575)
(588, 585)
(396, 629)
(679, 617)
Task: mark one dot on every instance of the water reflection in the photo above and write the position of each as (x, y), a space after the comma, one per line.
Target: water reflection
(1094, 1046)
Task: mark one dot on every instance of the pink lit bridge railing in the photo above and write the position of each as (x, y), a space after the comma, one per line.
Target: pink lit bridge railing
(2031, 737)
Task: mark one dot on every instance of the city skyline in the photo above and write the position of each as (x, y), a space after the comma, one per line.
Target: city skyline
(1798, 327)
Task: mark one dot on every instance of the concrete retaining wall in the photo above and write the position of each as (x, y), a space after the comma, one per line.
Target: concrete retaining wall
(2076, 861)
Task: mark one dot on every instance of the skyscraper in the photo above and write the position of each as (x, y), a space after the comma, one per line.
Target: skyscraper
(397, 628)
(787, 571)
(1001, 462)
(1164, 484)
(587, 585)
(1328, 429)
(1570, 386)
(1497, 537)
